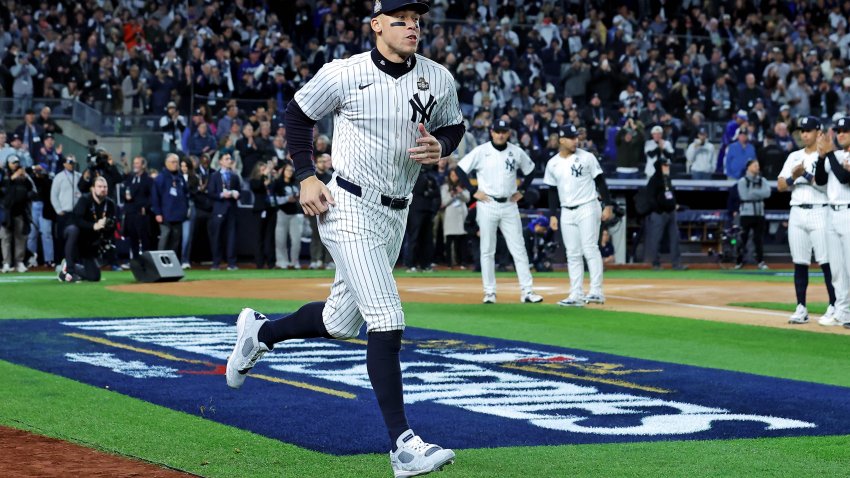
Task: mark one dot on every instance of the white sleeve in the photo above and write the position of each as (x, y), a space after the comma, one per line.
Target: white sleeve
(595, 167)
(447, 112)
(786, 168)
(550, 177)
(469, 162)
(525, 162)
(322, 94)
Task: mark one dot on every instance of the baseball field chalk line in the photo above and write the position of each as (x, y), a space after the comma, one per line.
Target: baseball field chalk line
(698, 306)
(173, 358)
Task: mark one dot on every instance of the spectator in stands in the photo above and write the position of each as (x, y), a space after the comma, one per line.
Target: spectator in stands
(739, 154)
(202, 141)
(661, 222)
(783, 138)
(424, 205)
(656, 148)
(606, 247)
(49, 155)
(249, 151)
(290, 219)
(630, 148)
(319, 254)
(193, 184)
(30, 133)
(170, 204)
(172, 125)
(700, 156)
(5, 149)
(132, 92)
(17, 189)
(20, 150)
(23, 73)
(48, 125)
(753, 189)
(224, 124)
(223, 188)
(137, 207)
(64, 194)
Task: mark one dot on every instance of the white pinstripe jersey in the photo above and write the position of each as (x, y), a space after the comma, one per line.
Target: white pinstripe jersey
(496, 170)
(804, 192)
(376, 117)
(836, 192)
(574, 177)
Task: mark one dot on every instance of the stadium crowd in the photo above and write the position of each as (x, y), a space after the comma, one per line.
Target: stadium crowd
(708, 86)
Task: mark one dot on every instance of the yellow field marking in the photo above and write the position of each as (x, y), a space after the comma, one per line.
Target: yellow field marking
(168, 356)
(608, 381)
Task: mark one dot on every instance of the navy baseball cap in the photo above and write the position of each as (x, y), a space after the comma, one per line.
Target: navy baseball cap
(702, 130)
(568, 131)
(389, 6)
(809, 123)
(501, 125)
(843, 124)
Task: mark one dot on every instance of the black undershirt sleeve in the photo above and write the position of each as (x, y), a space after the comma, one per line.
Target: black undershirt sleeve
(838, 170)
(602, 187)
(464, 179)
(449, 137)
(299, 140)
(821, 176)
(526, 182)
(554, 202)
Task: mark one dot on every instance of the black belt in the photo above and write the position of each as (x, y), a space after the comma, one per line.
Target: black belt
(573, 208)
(390, 202)
(811, 206)
(838, 207)
(499, 199)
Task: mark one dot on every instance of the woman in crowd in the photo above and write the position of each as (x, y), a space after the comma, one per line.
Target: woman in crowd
(454, 199)
(193, 183)
(265, 212)
(290, 219)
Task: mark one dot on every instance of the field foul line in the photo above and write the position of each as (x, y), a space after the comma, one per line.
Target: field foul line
(706, 307)
(174, 358)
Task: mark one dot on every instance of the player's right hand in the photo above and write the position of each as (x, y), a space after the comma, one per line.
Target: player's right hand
(553, 223)
(481, 196)
(315, 196)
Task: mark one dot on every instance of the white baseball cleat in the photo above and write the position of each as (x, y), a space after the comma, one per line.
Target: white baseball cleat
(800, 316)
(489, 298)
(248, 349)
(572, 301)
(531, 298)
(414, 457)
(831, 317)
(594, 298)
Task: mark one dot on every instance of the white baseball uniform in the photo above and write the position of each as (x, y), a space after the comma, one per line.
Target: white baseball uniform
(375, 122)
(580, 215)
(838, 234)
(497, 177)
(808, 217)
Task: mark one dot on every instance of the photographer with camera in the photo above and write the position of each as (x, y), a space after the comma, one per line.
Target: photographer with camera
(22, 89)
(90, 235)
(753, 189)
(100, 164)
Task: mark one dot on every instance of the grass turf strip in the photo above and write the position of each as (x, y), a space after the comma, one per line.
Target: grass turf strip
(66, 409)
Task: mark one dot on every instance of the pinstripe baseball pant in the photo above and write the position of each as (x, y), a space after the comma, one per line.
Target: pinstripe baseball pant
(580, 230)
(839, 255)
(807, 231)
(364, 238)
(504, 216)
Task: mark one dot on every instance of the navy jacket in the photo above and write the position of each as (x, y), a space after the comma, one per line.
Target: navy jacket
(140, 194)
(216, 186)
(173, 208)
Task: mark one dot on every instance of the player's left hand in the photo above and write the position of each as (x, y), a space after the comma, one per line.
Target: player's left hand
(515, 197)
(607, 211)
(429, 149)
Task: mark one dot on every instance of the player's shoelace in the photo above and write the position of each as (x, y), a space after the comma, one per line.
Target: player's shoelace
(416, 444)
(257, 356)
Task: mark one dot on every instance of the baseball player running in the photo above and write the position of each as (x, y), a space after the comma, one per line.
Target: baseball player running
(807, 220)
(833, 170)
(393, 111)
(496, 163)
(574, 177)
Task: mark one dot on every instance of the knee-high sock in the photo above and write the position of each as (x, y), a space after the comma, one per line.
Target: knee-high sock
(801, 282)
(827, 276)
(384, 367)
(305, 323)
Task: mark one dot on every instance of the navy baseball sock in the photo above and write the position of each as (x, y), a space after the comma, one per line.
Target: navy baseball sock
(801, 282)
(827, 277)
(304, 323)
(384, 367)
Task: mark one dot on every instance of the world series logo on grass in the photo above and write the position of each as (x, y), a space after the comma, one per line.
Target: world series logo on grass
(488, 392)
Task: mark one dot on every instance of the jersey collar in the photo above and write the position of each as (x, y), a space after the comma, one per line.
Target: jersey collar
(396, 70)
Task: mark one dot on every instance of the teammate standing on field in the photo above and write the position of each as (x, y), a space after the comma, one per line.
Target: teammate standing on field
(394, 111)
(833, 170)
(496, 163)
(574, 176)
(807, 220)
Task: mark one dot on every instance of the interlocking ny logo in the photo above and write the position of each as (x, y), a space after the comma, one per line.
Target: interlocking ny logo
(576, 168)
(510, 164)
(422, 110)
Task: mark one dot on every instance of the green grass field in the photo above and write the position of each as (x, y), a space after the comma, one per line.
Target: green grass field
(63, 408)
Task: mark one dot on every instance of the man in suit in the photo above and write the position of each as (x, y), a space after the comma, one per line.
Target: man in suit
(137, 207)
(223, 189)
(170, 204)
